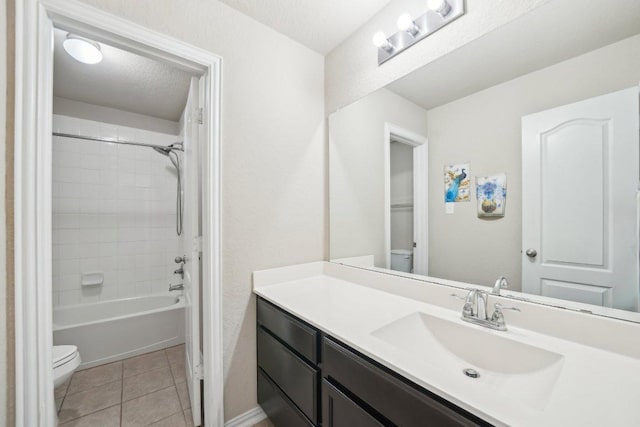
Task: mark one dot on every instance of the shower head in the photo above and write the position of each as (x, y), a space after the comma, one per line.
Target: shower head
(169, 148)
(163, 151)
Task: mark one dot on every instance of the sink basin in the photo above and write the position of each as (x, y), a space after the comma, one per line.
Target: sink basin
(506, 366)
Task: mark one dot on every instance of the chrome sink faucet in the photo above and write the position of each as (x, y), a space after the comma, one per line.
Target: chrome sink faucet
(501, 283)
(475, 310)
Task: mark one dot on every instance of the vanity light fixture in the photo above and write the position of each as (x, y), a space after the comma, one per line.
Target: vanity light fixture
(381, 41)
(439, 6)
(439, 13)
(82, 50)
(406, 23)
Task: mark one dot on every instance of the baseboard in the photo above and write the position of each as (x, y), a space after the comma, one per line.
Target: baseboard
(248, 419)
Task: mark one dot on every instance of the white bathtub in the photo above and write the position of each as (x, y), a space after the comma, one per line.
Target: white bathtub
(113, 330)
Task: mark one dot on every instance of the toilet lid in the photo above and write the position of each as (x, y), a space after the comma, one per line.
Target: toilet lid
(63, 353)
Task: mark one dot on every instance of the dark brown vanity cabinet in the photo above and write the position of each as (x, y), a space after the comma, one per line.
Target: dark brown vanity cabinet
(288, 374)
(306, 378)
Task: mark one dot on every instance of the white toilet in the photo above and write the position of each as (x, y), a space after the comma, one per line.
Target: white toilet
(402, 260)
(66, 360)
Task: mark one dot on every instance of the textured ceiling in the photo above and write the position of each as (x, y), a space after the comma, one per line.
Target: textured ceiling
(320, 25)
(551, 33)
(122, 80)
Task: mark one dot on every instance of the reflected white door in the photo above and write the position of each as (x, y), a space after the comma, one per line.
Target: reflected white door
(580, 181)
(191, 240)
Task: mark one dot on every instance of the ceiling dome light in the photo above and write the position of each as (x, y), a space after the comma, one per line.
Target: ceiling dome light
(82, 50)
(380, 41)
(439, 6)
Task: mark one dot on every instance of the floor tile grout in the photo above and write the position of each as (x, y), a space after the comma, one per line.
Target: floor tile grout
(122, 394)
(90, 388)
(121, 403)
(87, 414)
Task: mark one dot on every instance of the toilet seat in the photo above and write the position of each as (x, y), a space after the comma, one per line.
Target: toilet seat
(63, 354)
(66, 360)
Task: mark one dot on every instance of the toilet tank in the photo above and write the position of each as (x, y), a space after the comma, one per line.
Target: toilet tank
(402, 260)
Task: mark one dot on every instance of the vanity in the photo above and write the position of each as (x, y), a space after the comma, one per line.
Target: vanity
(342, 346)
(515, 157)
(305, 376)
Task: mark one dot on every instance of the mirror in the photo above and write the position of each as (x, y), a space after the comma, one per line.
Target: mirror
(509, 157)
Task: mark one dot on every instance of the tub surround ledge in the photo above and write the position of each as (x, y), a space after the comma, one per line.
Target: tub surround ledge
(598, 381)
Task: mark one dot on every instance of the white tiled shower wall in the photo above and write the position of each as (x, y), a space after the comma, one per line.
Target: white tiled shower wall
(114, 212)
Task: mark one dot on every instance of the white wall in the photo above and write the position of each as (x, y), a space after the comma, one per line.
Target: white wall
(352, 71)
(273, 158)
(356, 145)
(114, 212)
(3, 247)
(484, 128)
(83, 110)
(401, 186)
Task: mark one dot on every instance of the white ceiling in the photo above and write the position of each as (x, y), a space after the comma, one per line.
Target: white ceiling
(122, 80)
(320, 25)
(547, 35)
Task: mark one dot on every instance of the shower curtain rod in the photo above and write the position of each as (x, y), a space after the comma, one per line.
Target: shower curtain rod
(113, 141)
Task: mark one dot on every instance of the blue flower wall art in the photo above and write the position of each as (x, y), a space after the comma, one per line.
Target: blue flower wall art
(491, 192)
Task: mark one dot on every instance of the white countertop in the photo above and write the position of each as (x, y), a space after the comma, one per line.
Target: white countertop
(594, 387)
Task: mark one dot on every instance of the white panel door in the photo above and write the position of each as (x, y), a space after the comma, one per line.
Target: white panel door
(191, 240)
(580, 180)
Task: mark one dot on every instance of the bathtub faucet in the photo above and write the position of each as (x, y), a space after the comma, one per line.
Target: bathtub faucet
(178, 287)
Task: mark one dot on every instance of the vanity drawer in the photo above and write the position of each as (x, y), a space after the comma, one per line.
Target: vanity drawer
(399, 402)
(277, 406)
(338, 410)
(297, 379)
(297, 335)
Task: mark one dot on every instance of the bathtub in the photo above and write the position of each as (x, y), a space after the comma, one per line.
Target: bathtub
(113, 330)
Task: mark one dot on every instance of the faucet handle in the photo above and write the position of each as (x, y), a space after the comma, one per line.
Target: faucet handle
(467, 309)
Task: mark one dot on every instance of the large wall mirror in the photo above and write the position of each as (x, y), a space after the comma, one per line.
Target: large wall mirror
(516, 156)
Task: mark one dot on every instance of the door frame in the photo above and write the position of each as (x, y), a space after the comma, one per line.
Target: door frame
(420, 195)
(34, 402)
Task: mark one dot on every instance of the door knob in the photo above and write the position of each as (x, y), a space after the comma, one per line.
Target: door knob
(531, 253)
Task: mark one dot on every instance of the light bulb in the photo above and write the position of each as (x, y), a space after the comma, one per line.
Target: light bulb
(405, 23)
(439, 6)
(380, 40)
(82, 50)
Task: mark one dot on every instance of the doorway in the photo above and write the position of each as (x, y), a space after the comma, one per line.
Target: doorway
(35, 404)
(406, 200)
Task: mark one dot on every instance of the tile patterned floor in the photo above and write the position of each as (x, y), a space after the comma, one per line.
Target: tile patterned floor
(146, 390)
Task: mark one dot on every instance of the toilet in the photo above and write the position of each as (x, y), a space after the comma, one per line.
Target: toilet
(402, 260)
(66, 360)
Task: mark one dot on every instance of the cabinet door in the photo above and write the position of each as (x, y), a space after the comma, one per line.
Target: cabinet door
(297, 379)
(280, 410)
(301, 338)
(340, 411)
